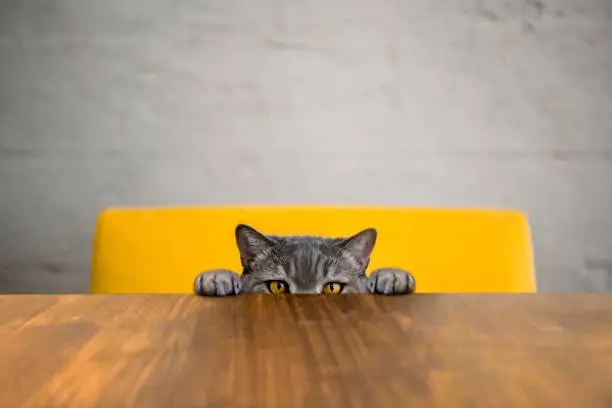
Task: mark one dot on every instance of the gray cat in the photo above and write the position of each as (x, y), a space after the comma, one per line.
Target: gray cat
(304, 265)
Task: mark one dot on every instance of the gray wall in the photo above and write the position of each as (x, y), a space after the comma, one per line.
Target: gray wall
(444, 103)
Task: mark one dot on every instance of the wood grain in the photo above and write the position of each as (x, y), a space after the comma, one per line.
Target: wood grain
(286, 351)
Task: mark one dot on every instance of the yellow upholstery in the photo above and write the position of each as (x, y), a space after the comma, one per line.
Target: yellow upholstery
(161, 250)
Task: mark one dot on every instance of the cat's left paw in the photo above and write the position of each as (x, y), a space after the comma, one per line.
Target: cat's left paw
(391, 281)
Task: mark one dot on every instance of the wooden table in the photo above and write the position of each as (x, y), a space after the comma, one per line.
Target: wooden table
(325, 351)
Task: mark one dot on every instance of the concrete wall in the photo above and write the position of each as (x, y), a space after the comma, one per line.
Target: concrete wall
(447, 102)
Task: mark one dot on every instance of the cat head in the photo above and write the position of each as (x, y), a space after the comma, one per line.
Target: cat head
(304, 264)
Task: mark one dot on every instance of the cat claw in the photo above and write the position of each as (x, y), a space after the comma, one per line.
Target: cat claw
(220, 282)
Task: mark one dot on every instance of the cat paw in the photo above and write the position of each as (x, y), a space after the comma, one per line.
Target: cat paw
(391, 281)
(219, 282)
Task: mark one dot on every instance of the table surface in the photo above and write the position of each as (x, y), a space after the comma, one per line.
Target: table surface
(289, 351)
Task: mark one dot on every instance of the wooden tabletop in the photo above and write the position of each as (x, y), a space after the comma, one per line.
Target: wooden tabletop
(323, 351)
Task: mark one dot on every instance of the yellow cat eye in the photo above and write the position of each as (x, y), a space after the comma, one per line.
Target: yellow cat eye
(332, 288)
(277, 287)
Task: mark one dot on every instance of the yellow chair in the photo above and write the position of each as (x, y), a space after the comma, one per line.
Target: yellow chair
(161, 250)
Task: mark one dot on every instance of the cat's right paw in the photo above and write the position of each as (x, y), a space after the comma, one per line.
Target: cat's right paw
(219, 282)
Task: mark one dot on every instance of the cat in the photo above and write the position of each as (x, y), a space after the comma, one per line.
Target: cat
(304, 265)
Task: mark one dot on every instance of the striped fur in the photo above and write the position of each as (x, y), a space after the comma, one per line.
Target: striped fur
(305, 264)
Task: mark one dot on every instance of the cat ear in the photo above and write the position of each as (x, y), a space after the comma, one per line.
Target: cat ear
(251, 243)
(360, 245)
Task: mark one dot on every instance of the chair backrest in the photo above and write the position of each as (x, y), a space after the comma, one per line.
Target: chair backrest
(161, 250)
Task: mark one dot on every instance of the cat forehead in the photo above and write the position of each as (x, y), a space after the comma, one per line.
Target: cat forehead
(308, 257)
(307, 245)
(305, 239)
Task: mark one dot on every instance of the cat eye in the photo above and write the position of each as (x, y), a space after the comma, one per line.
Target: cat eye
(277, 287)
(332, 288)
